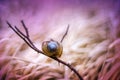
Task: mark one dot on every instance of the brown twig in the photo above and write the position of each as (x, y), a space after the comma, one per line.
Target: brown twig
(65, 34)
(27, 39)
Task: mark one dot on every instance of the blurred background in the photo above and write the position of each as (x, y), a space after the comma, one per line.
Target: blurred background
(91, 45)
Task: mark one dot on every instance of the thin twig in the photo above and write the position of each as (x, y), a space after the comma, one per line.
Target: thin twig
(65, 33)
(26, 30)
(25, 38)
(68, 65)
(30, 44)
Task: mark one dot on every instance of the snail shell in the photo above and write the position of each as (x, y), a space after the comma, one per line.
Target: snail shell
(52, 48)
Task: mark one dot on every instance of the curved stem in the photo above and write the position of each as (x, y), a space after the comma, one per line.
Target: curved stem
(69, 66)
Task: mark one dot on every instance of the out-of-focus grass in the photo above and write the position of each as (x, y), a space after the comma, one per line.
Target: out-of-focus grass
(91, 46)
